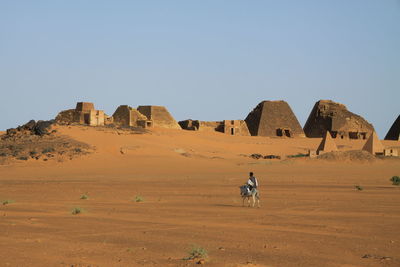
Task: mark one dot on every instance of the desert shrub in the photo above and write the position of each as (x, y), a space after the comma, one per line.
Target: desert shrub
(84, 196)
(8, 201)
(138, 199)
(300, 155)
(359, 188)
(78, 150)
(196, 252)
(76, 210)
(23, 158)
(395, 180)
(48, 150)
(3, 154)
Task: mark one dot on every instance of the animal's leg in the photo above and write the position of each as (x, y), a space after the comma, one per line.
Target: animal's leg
(254, 199)
(243, 198)
(248, 201)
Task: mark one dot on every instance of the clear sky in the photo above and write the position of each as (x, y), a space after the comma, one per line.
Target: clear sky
(207, 60)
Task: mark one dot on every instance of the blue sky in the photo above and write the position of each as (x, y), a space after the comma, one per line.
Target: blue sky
(207, 60)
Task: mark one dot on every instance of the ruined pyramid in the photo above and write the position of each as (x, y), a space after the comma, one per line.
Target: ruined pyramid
(327, 115)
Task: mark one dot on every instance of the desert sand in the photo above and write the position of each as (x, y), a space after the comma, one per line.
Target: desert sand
(310, 215)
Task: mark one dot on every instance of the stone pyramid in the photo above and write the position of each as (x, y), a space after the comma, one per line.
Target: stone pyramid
(327, 144)
(373, 145)
(394, 131)
(273, 118)
(160, 116)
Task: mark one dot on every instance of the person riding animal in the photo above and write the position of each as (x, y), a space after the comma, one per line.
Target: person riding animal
(250, 189)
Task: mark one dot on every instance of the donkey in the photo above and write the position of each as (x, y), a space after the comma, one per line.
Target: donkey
(245, 192)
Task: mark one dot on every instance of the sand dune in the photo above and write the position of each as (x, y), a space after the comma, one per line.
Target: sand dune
(311, 213)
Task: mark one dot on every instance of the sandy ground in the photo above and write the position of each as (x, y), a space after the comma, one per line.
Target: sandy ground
(311, 214)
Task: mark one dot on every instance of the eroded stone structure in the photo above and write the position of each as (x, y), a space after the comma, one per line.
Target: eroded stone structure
(84, 113)
(235, 127)
(125, 115)
(230, 127)
(327, 115)
(273, 118)
(160, 116)
(191, 125)
(394, 131)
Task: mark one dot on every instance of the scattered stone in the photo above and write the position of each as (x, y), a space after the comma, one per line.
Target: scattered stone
(259, 156)
(256, 156)
(377, 257)
(201, 261)
(39, 128)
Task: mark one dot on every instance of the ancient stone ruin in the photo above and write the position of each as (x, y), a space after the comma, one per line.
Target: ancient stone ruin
(234, 127)
(273, 118)
(127, 116)
(374, 145)
(327, 144)
(229, 127)
(394, 131)
(327, 115)
(84, 113)
(190, 125)
(160, 116)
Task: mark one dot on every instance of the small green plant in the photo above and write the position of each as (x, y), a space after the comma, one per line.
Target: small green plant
(84, 196)
(359, 188)
(76, 210)
(395, 180)
(196, 252)
(138, 199)
(8, 201)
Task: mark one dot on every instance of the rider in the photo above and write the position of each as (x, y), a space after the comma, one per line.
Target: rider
(252, 183)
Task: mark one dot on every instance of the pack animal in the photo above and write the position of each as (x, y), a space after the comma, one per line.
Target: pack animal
(246, 193)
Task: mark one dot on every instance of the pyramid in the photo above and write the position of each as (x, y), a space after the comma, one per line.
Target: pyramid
(160, 116)
(394, 131)
(327, 115)
(373, 145)
(273, 118)
(327, 144)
